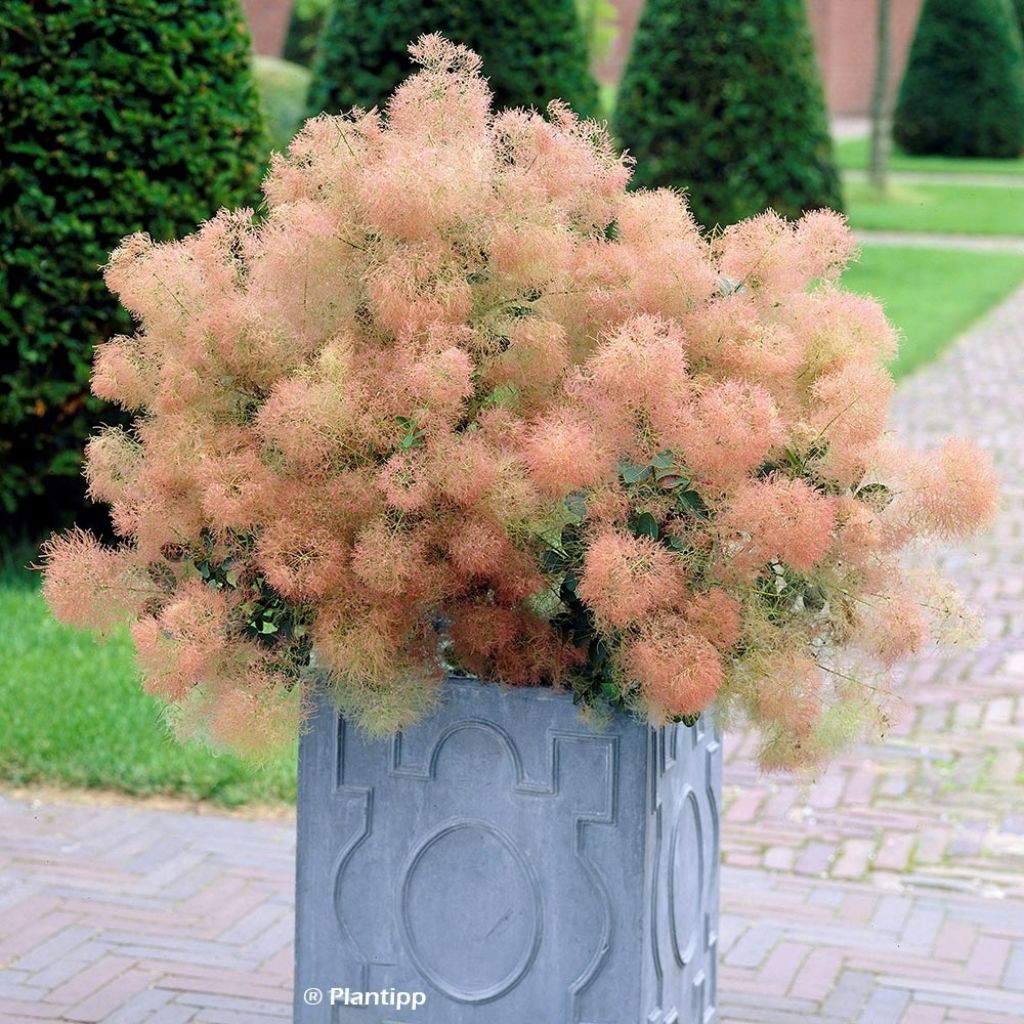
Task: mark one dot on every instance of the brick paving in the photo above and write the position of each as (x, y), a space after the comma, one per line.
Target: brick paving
(128, 915)
(889, 891)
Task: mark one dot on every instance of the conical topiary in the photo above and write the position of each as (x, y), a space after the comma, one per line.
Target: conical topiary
(963, 90)
(723, 98)
(534, 50)
(114, 117)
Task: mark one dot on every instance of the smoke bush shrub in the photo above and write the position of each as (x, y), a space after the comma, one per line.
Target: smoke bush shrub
(463, 400)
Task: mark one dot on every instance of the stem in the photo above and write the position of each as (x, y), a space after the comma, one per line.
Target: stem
(878, 172)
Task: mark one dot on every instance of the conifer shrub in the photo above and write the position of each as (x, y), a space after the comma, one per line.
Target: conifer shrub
(535, 50)
(963, 90)
(463, 402)
(723, 98)
(304, 28)
(114, 118)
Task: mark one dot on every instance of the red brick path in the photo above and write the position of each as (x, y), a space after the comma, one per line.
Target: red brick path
(891, 891)
(133, 916)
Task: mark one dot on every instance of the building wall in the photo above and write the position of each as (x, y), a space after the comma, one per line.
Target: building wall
(845, 35)
(268, 23)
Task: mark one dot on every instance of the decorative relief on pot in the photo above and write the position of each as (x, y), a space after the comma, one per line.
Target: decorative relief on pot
(510, 862)
(455, 894)
(501, 912)
(683, 897)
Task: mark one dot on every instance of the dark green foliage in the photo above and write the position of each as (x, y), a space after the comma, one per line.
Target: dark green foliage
(307, 22)
(595, 684)
(533, 50)
(723, 98)
(115, 116)
(963, 90)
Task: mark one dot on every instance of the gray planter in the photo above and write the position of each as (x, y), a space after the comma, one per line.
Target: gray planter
(509, 863)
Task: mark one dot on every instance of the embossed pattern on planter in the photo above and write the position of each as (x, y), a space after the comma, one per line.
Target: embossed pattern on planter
(682, 870)
(511, 863)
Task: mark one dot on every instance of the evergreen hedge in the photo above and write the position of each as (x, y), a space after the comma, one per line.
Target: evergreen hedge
(533, 51)
(723, 98)
(963, 90)
(304, 28)
(115, 116)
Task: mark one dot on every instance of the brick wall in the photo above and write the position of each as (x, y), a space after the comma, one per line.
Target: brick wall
(845, 34)
(268, 23)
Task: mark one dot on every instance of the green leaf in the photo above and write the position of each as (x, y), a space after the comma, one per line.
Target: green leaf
(645, 525)
(576, 503)
(631, 472)
(877, 494)
(552, 560)
(692, 501)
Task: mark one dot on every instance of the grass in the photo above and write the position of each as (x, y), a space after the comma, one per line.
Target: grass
(282, 87)
(852, 155)
(933, 295)
(72, 714)
(954, 209)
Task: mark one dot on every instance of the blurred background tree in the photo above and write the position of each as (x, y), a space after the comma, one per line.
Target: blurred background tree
(963, 90)
(307, 22)
(533, 50)
(114, 117)
(723, 98)
(1018, 7)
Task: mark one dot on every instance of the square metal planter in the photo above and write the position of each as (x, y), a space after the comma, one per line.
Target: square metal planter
(510, 863)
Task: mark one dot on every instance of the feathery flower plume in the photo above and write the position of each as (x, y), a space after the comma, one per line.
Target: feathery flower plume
(458, 398)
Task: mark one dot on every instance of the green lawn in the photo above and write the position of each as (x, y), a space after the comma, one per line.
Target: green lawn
(72, 714)
(956, 209)
(933, 295)
(282, 87)
(852, 155)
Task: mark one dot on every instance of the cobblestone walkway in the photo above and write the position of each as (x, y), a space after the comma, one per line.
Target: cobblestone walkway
(892, 890)
(889, 892)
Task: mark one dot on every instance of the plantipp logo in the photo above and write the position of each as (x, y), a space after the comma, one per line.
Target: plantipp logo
(389, 997)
